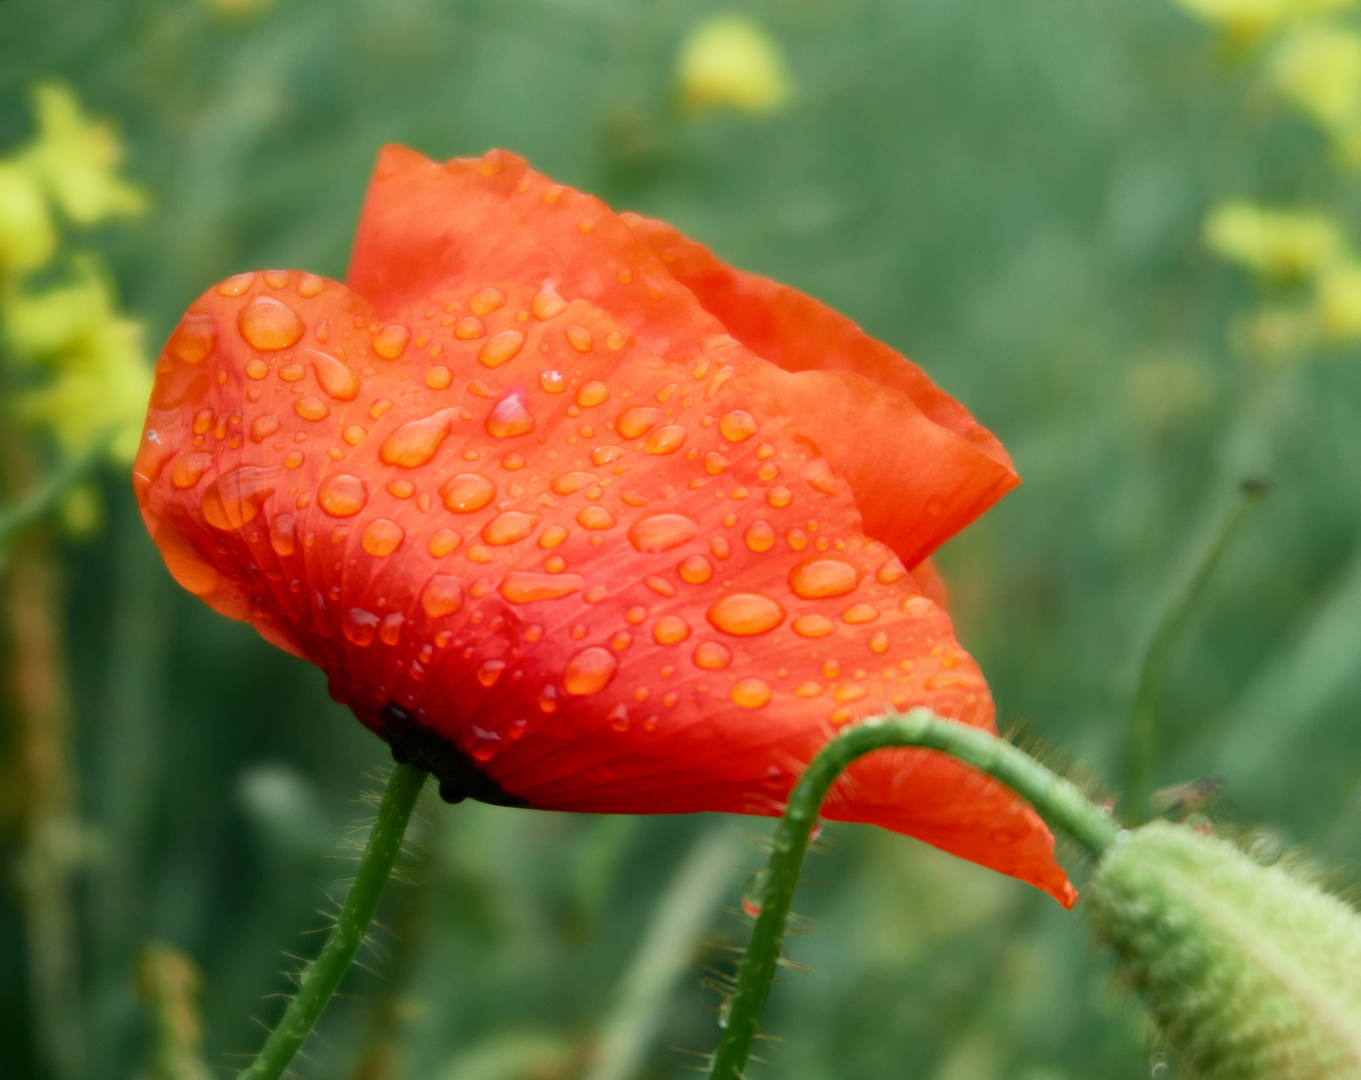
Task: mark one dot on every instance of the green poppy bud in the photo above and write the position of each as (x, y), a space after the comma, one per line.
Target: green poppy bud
(1250, 972)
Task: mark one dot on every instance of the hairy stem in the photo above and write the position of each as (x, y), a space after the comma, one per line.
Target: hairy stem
(1057, 799)
(322, 976)
(1142, 716)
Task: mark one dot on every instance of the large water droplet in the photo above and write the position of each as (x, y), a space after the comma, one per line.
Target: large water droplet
(595, 517)
(746, 614)
(589, 671)
(636, 422)
(188, 470)
(572, 482)
(283, 535)
(592, 394)
(661, 532)
(486, 300)
(695, 569)
(823, 576)
(268, 324)
(526, 586)
(262, 427)
(579, 338)
(443, 541)
(548, 303)
(510, 417)
(342, 496)
(466, 493)
(311, 408)
(760, 536)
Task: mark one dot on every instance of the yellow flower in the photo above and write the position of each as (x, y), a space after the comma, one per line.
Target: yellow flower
(40, 324)
(77, 159)
(730, 60)
(1244, 22)
(1339, 300)
(27, 238)
(1278, 244)
(1318, 69)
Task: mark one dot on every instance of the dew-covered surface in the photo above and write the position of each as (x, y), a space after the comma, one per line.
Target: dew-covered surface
(1010, 194)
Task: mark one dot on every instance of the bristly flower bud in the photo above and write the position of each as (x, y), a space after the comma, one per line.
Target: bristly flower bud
(1250, 972)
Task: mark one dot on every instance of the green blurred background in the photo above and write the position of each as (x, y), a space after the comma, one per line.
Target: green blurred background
(1011, 192)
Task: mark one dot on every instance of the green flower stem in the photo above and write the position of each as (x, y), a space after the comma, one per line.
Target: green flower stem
(36, 504)
(1142, 716)
(322, 976)
(1054, 797)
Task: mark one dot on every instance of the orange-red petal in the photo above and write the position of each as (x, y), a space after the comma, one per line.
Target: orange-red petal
(616, 568)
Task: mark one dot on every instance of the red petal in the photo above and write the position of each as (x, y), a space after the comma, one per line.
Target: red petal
(921, 467)
(574, 529)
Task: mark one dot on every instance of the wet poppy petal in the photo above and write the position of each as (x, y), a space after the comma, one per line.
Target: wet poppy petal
(520, 491)
(873, 428)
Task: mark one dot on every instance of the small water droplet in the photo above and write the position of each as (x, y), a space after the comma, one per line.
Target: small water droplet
(283, 535)
(442, 595)
(485, 300)
(501, 347)
(592, 393)
(311, 408)
(552, 536)
(665, 440)
(712, 656)
(490, 672)
(606, 455)
(750, 693)
(572, 482)
(695, 569)
(547, 303)
(860, 613)
(822, 577)
(390, 342)
(879, 642)
(360, 627)
(595, 517)
(508, 528)
(443, 541)
(194, 339)
(779, 496)
(333, 376)
(670, 630)
(235, 285)
(813, 626)
(188, 470)
(579, 338)
(636, 422)
(589, 671)
(737, 426)
(509, 417)
(760, 536)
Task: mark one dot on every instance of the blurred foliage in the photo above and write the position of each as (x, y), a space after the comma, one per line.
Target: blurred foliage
(1013, 194)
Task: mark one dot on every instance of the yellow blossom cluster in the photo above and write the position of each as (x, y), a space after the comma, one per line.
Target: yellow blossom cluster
(76, 365)
(729, 61)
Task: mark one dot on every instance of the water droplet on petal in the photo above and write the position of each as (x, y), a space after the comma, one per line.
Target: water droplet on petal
(552, 536)
(234, 498)
(813, 626)
(760, 536)
(579, 338)
(417, 441)
(311, 408)
(589, 671)
(548, 699)
(443, 541)
(527, 587)
(236, 285)
(510, 417)
(860, 613)
(508, 528)
(662, 532)
(750, 693)
(188, 470)
(891, 571)
(606, 455)
(592, 394)
(779, 496)
(439, 378)
(360, 627)
(485, 300)
(283, 535)
(335, 378)
(382, 537)
(501, 347)
(822, 577)
(670, 630)
(712, 656)
(310, 285)
(572, 482)
(194, 339)
(342, 496)
(695, 569)
(665, 440)
(442, 595)
(818, 475)
(552, 381)
(746, 614)
(548, 303)
(268, 324)
(466, 493)
(737, 426)
(879, 642)
(595, 517)
(390, 342)
(490, 672)
(636, 422)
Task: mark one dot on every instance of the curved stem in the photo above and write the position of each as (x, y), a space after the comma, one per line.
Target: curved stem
(1142, 715)
(322, 976)
(1054, 797)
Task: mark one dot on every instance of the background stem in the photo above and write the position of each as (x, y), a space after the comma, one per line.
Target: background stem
(1054, 797)
(322, 976)
(1142, 719)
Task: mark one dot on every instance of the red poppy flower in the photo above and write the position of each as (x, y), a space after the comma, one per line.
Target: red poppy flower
(577, 516)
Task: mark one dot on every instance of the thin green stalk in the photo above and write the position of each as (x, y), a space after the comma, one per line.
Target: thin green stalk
(322, 976)
(37, 503)
(1142, 716)
(1054, 797)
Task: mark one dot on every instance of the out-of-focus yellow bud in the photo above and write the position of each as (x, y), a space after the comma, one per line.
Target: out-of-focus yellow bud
(1245, 22)
(1339, 300)
(101, 385)
(1281, 244)
(27, 238)
(1318, 69)
(39, 325)
(77, 159)
(728, 60)
(82, 511)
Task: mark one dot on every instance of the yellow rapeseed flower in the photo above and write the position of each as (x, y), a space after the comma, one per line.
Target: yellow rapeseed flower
(1318, 69)
(1245, 22)
(1339, 300)
(1279, 244)
(27, 238)
(728, 60)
